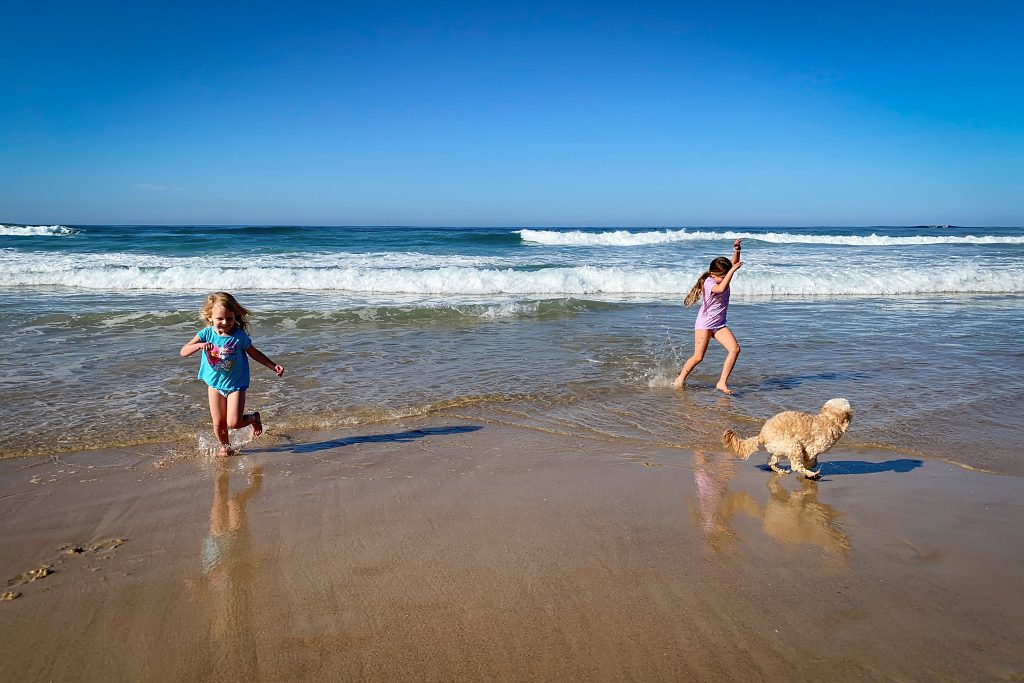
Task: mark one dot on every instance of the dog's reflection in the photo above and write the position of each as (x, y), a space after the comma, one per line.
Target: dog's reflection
(794, 517)
(798, 516)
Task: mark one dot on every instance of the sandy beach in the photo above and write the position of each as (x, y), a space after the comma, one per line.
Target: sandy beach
(456, 549)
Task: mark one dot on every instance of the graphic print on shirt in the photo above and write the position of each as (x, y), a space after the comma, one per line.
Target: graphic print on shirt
(221, 358)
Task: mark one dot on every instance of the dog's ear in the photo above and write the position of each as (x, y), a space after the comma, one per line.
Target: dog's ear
(841, 411)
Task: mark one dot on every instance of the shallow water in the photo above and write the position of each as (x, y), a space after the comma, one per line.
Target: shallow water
(932, 376)
(94, 362)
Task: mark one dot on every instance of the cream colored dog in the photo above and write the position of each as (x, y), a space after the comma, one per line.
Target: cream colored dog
(797, 436)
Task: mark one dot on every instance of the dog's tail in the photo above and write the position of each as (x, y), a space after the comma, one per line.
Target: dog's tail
(741, 447)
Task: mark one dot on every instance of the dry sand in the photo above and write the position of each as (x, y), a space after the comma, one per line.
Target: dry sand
(452, 549)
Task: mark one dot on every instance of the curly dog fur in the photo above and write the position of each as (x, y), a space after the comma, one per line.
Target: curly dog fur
(798, 436)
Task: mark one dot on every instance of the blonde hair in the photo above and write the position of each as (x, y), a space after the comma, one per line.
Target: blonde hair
(719, 266)
(229, 302)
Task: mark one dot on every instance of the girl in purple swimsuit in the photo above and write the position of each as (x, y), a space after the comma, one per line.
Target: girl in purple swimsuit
(713, 287)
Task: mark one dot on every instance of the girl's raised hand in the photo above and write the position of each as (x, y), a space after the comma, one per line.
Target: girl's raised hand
(195, 345)
(279, 370)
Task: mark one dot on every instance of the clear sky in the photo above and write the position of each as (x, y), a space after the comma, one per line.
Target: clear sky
(515, 114)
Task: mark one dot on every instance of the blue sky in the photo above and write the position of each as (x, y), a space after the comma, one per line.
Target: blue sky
(607, 114)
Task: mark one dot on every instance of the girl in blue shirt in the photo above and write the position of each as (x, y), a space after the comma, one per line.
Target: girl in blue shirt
(225, 365)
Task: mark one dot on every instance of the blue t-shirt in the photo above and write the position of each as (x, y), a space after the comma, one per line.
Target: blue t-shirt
(226, 365)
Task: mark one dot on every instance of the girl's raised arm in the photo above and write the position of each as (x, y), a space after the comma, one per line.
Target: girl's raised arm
(724, 284)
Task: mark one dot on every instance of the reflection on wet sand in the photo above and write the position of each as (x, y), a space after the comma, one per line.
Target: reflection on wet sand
(798, 517)
(716, 504)
(795, 517)
(226, 587)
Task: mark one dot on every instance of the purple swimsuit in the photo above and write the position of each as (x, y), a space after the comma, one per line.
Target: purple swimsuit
(713, 308)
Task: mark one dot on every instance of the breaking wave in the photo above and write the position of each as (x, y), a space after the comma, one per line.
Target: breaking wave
(123, 272)
(627, 238)
(35, 230)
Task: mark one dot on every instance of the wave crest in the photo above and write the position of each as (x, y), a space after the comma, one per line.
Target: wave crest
(35, 230)
(626, 238)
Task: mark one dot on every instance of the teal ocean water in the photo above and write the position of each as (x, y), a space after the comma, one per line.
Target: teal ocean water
(578, 332)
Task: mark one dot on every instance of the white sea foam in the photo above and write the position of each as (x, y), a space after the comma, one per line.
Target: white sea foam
(381, 260)
(121, 272)
(626, 238)
(35, 230)
(509, 309)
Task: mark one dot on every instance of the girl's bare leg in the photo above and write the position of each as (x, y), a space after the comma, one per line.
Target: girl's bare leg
(724, 336)
(219, 511)
(218, 413)
(236, 417)
(701, 338)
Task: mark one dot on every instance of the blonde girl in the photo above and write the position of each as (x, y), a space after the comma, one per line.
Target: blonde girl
(712, 289)
(224, 367)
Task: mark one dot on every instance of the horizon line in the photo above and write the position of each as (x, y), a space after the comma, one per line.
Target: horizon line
(439, 226)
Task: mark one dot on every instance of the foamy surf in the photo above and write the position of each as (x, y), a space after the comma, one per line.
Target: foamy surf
(35, 230)
(627, 238)
(878, 277)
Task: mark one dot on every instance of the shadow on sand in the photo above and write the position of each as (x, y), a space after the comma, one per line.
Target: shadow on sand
(833, 467)
(398, 437)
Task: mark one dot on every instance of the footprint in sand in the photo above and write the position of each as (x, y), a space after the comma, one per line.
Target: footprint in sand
(46, 569)
(39, 572)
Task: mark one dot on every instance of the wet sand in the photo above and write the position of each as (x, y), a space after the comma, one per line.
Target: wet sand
(454, 549)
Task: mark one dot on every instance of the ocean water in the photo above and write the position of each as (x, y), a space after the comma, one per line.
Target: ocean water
(576, 332)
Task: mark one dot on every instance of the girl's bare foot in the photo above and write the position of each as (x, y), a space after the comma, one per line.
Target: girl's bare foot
(678, 383)
(224, 451)
(721, 386)
(257, 425)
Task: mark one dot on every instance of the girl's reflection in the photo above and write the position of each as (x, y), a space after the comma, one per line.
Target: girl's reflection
(716, 504)
(229, 538)
(226, 588)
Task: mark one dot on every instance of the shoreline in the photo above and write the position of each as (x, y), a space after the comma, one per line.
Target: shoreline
(450, 548)
(580, 369)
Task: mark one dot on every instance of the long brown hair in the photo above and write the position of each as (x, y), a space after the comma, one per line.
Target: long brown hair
(227, 301)
(720, 266)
